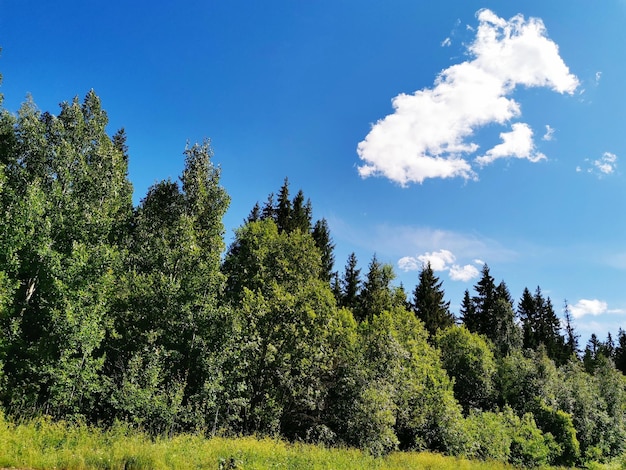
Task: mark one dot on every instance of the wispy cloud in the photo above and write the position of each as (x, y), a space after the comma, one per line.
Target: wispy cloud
(605, 165)
(442, 260)
(429, 133)
(549, 135)
(591, 307)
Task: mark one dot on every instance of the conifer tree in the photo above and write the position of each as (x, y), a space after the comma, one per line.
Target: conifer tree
(300, 218)
(484, 302)
(323, 241)
(283, 208)
(428, 302)
(376, 295)
(351, 284)
(571, 338)
(468, 313)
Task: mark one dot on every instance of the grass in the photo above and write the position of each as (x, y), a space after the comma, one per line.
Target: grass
(43, 444)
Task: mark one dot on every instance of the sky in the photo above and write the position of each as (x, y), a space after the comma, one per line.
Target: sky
(454, 132)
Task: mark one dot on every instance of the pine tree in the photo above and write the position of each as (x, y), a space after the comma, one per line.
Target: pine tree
(428, 302)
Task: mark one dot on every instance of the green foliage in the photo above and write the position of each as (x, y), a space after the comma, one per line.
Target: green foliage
(468, 359)
(68, 199)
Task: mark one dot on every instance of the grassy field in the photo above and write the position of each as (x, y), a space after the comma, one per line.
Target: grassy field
(42, 444)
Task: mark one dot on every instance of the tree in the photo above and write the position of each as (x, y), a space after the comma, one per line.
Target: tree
(428, 302)
(69, 201)
(351, 284)
(483, 302)
(468, 314)
(285, 314)
(376, 295)
(169, 324)
(301, 214)
(468, 359)
(283, 208)
(324, 243)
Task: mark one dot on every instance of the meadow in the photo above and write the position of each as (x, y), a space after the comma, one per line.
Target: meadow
(44, 444)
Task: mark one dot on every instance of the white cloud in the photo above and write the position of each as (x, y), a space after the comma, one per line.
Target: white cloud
(607, 163)
(517, 143)
(549, 135)
(442, 260)
(447, 42)
(592, 307)
(428, 135)
(598, 77)
(438, 260)
(463, 273)
(409, 263)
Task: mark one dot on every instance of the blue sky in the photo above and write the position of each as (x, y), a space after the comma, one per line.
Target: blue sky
(459, 132)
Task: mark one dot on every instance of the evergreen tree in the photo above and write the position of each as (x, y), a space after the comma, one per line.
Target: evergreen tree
(283, 208)
(527, 311)
(540, 324)
(351, 284)
(468, 313)
(428, 302)
(269, 210)
(484, 302)
(376, 295)
(300, 214)
(323, 241)
(571, 338)
(620, 351)
(255, 213)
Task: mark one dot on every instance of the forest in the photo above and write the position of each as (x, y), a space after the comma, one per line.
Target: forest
(111, 312)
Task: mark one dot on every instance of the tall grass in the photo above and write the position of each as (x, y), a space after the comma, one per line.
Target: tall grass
(44, 444)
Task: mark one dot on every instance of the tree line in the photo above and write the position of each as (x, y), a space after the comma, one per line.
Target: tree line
(114, 312)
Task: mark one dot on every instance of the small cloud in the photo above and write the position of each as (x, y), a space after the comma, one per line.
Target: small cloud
(518, 143)
(408, 263)
(438, 260)
(442, 260)
(598, 77)
(463, 273)
(605, 165)
(592, 307)
(549, 135)
(480, 262)
(447, 42)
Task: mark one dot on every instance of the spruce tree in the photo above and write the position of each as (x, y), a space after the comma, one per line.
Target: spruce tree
(571, 337)
(323, 241)
(351, 284)
(283, 208)
(428, 302)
